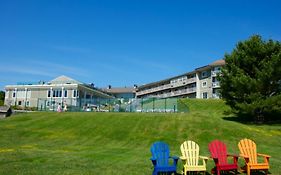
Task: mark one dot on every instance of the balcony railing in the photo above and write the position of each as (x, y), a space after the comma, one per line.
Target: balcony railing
(216, 84)
(176, 93)
(167, 86)
(216, 96)
(216, 72)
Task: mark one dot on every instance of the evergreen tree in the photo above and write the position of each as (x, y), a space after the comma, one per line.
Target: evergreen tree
(251, 79)
(2, 97)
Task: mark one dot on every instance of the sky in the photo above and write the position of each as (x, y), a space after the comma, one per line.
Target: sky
(124, 42)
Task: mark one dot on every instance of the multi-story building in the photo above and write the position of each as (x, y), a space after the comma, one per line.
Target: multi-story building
(121, 92)
(62, 90)
(200, 83)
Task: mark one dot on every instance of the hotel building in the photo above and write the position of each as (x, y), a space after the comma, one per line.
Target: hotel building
(200, 83)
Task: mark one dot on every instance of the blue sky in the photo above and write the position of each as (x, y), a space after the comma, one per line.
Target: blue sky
(122, 42)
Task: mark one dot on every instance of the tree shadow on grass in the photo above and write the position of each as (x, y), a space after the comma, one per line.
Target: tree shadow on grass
(246, 119)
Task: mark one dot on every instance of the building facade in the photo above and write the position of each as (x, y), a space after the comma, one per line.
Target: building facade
(60, 91)
(121, 92)
(200, 83)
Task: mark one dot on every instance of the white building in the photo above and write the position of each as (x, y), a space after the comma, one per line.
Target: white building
(200, 83)
(60, 91)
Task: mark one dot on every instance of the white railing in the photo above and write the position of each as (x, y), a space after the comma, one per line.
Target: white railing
(216, 84)
(216, 72)
(166, 86)
(176, 93)
(216, 96)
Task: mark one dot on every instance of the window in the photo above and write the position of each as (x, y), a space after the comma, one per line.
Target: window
(49, 93)
(14, 94)
(217, 68)
(19, 103)
(205, 95)
(204, 84)
(204, 74)
(65, 93)
(57, 93)
(75, 93)
(27, 103)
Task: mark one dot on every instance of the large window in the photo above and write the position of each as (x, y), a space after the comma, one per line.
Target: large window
(205, 95)
(204, 74)
(65, 93)
(57, 93)
(75, 93)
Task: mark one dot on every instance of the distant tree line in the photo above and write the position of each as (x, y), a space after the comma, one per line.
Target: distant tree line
(251, 79)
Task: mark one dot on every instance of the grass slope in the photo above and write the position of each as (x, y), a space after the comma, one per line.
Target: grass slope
(118, 143)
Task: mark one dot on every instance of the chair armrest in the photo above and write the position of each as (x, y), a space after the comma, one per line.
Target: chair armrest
(204, 157)
(153, 160)
(263, 155)
(232, 155)
(235, 157)
(216, 159)
(175, 158)
(244, 156)
(183, 158)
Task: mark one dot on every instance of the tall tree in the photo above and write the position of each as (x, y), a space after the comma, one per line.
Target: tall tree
(251, 81)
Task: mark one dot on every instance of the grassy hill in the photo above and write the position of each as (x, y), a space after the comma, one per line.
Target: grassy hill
(119, 143)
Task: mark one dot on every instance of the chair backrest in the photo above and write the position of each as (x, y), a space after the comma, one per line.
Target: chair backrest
(248, 148)
(218, 150)
(160, 151)
(190, 150)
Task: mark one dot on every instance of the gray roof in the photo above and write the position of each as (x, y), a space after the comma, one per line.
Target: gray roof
(64, 80)
(120, 90)
(215, 63)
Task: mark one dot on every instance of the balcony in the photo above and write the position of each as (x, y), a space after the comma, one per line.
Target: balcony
(166, 86)
(184, 82)
(216, 84)
(215, 73)
(216, 96)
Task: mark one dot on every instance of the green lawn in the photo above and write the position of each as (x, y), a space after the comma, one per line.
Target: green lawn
(119, 143)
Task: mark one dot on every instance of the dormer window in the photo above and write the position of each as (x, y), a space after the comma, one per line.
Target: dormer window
(204, 74)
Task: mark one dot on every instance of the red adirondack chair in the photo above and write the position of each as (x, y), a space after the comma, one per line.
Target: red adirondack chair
(220, 156)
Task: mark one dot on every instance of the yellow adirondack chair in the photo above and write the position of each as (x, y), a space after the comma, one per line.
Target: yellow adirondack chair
(248, 151)
(190, 157)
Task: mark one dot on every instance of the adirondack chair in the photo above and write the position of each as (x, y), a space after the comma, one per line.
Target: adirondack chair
(220, 156)
(248, 151)
(190, 157)
(160, 159)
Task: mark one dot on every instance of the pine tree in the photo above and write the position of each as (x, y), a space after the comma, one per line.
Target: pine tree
(251, 81)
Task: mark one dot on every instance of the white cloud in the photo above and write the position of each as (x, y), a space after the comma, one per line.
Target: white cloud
(42, 68)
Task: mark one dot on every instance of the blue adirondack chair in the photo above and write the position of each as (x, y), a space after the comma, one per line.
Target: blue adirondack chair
(160, 159)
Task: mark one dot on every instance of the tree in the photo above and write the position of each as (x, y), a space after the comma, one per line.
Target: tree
(2, 97)
(251, 79)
